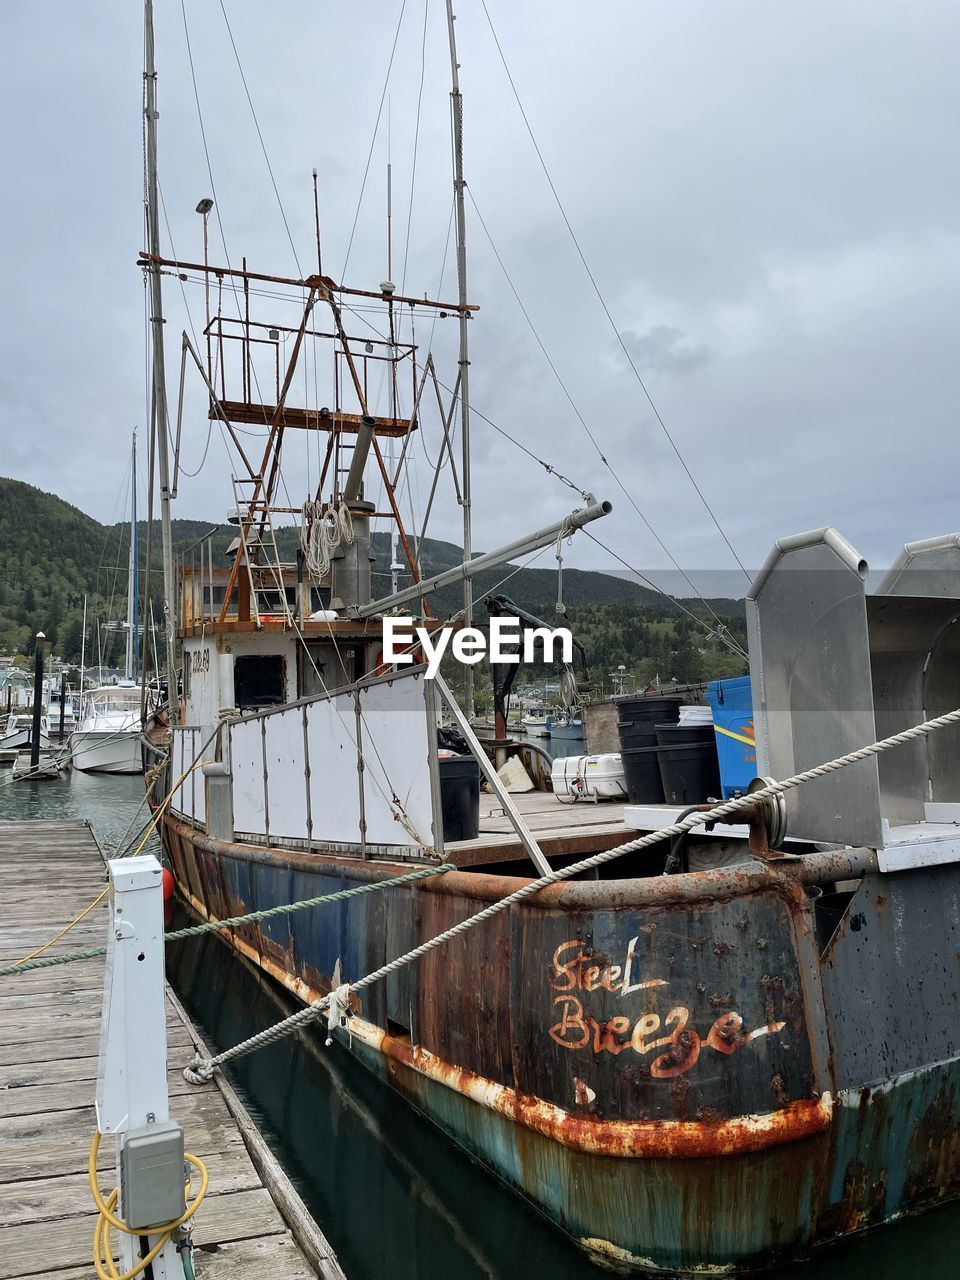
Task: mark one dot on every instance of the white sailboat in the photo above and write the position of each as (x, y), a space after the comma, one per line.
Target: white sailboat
(107, 739)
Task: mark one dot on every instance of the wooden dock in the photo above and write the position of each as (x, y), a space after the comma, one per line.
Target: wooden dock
(252, 1222)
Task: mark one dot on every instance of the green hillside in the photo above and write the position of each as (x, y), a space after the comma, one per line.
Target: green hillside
(52, 555)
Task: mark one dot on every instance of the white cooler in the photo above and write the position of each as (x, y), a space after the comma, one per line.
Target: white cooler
(589, 778)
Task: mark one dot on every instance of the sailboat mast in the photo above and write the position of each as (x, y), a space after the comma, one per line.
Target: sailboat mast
(394, 535)
(83, 658)
(456, 106)
(130, 663)
(159, 386)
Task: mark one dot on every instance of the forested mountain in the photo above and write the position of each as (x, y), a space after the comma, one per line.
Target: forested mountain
(52, 555)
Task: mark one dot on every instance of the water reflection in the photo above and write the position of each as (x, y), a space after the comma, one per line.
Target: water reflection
(109, 802)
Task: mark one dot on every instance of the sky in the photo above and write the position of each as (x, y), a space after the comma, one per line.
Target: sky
(766, 195)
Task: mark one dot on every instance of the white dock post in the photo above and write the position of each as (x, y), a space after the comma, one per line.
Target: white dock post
(132, 1070)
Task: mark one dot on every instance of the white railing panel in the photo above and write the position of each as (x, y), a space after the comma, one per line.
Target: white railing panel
(334, 780)
(286, 783)
(190, 795)
(398, 742)
(199, 790)
(246, 762)
(178, 743)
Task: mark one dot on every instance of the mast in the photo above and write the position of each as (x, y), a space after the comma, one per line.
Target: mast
(394, 536)
(131, 660)
(159, 389)
(83, 660)
(456, 105)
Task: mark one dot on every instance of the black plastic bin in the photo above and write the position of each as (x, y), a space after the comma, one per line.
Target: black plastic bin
(689, 768)
(658, 710)
(636, 734)
(638, 719)
(459, 796)
(641, 770)
(671, 735)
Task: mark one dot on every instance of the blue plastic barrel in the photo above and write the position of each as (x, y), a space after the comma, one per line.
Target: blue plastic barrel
(733, 725)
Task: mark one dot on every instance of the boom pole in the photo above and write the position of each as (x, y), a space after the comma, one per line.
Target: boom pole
(159, 385)
(456, 108)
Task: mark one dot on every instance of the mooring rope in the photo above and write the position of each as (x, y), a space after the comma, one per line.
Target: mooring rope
(335, 1003)
(212, 926)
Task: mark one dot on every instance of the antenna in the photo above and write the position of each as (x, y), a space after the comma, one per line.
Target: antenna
(316, 219)
(389, 196)
(456, 108)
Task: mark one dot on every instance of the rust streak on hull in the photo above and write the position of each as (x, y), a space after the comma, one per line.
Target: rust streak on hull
(632, 1139)
(628, 1139)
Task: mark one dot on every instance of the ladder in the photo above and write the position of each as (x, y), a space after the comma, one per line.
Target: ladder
(272, 563)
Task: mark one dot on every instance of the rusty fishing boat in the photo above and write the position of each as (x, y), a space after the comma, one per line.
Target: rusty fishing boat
(703, 1071)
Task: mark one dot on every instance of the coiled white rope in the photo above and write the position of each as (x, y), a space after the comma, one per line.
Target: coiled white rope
(201, 1070)
(323, 529)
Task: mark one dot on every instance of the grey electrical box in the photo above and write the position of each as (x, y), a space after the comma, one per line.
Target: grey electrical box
(151, 1175)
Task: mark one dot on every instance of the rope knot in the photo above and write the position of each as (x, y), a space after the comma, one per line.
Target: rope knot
(200, 1071)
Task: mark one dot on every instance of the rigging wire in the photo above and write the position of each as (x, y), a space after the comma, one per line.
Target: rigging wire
(373, 140)
(603, 303)
(552, 470)
(547, 466)
(196, 342)
(203, 135)
(416, 144)
(203, 132)
(213, 188)
(263, 146)
(563, 387)
(720, 632)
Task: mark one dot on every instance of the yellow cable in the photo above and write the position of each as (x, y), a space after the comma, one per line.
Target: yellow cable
(107, 1218)
(103, 892)
(166, 800)
(76, 920)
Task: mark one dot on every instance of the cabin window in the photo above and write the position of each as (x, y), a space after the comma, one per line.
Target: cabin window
(259, 681)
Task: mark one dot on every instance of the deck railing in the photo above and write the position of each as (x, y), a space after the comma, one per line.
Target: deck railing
(355, 769)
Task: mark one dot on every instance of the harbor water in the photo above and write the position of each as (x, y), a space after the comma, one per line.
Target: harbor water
(393, 1196)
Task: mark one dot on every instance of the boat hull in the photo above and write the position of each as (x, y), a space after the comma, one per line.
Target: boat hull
(491, 1039)
(19, 740)
(106, 752)
(567, 732)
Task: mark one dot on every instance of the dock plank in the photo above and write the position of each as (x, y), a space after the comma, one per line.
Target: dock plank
(49, 1045)
(239, 1215)
(275, 1258)
(45, 1199)
(52, 1086)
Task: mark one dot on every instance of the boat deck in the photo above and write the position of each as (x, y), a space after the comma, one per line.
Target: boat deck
(49, 1041)
(559, 828)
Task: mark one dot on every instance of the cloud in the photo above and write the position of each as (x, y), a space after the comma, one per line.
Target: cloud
(783, 265)
(664, 349)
